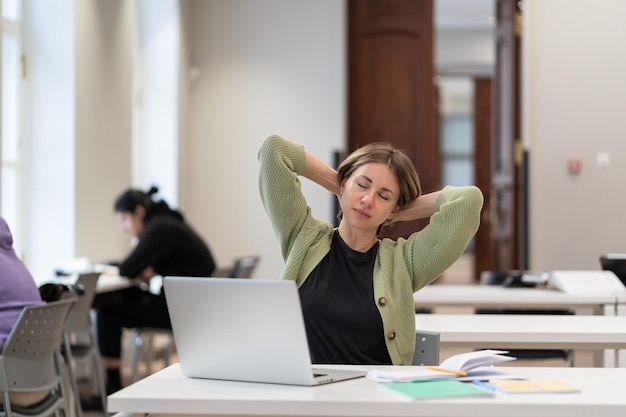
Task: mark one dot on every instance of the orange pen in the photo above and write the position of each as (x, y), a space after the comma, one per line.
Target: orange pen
(449, 371)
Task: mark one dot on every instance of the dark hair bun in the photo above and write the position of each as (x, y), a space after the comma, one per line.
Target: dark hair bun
(153, 190)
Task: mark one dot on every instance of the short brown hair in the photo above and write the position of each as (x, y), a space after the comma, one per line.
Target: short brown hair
(398, 162)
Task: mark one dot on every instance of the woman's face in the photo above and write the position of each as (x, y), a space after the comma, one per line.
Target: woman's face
(131, 222)
(369, 196)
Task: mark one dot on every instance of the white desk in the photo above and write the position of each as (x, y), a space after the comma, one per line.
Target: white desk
(106, 282)
(621, 311)
(493, 296)
(168, 392)
(526, 331)
(621, 304)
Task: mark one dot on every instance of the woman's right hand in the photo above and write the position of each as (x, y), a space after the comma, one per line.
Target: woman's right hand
(321, 173)
(422, 207)
(147, 274)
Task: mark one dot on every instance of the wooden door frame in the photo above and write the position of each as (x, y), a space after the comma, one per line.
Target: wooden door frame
(391, 94)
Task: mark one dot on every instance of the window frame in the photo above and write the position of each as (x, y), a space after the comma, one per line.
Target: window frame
(11, 195)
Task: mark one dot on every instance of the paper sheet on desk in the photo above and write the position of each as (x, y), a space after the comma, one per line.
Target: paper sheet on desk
(107, 269)
(483, 373)
(585, 281)
(379, 375)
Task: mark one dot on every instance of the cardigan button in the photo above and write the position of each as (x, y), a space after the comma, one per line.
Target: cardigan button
(382, 301)
(391, 335)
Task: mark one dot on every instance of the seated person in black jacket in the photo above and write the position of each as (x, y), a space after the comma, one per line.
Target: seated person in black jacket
(165, 245)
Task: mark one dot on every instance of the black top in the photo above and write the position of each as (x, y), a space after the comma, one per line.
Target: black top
(171, 247)
(343, 324)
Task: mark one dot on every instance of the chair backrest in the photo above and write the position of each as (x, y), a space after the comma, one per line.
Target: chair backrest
(79, 319)
(511, 278)
(616, 263)
(29, 355)
(244, 266)
(426, 348)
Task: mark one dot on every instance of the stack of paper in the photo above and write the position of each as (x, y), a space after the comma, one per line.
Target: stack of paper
(470, 365)
(447, 379)
(585, 281)
(472, 360)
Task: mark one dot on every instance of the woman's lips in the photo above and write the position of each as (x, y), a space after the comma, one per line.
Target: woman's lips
(362, 213)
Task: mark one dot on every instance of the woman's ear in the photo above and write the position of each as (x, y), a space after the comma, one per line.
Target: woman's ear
(393, 216)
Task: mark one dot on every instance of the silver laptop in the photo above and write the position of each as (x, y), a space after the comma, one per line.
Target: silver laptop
(243, 330)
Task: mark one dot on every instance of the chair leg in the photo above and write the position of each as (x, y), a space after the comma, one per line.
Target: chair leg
(67, 406)
(136, 343)
(169, 350)
(69, 363)
(149, 352)
(100, 377)
(143, 350)
(7, 404)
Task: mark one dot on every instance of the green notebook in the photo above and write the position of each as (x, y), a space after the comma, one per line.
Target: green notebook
(435, 388)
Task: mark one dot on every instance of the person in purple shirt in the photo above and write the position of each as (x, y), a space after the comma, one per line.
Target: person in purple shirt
(17, 290)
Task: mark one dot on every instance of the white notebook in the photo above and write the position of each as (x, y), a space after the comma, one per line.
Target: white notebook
(585, 281)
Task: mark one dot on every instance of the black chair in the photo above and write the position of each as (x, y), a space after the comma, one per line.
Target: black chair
(616, 263)
(513, 279)
(241, 267)
(245, 266)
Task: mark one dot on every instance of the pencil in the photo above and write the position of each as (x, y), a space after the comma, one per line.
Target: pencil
(450, 371)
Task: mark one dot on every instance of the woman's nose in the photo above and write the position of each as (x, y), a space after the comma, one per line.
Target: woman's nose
(366, 199)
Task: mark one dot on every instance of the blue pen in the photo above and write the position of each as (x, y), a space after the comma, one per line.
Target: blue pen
(484, 385)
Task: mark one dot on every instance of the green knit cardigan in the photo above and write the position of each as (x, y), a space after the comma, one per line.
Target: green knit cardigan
(401, 268)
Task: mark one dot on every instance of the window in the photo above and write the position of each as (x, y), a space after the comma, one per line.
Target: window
(457, 149)
(456, 130)
(10, 138)
(155, 114)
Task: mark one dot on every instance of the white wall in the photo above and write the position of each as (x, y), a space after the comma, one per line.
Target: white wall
(278, 66)
(77, 130)
(272, 66)
(48, 108)
(275, 66)
(156, 123)
(574, 104)
(103, 124)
